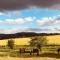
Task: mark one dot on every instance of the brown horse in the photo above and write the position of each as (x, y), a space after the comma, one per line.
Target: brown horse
(58, 50)
(23, 50)
(35, 50)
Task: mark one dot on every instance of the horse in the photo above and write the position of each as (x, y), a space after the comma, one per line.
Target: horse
(58, 50)
(23, 50)
(35, 50)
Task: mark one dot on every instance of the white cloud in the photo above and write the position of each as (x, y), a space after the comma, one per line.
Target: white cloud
(19, 29)
(27, 29)
(49, 21)
(49, 24)
(42, 23)
(28, 19)
(17, 21)
(45, 21)
(2, 13)
(12, 30)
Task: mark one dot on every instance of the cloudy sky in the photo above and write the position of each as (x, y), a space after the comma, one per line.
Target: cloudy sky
(29, 16)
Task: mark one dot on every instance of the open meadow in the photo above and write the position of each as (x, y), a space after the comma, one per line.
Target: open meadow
(48, 52)
(51, 40)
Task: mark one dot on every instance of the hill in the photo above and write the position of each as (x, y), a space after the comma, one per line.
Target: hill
(25, 34)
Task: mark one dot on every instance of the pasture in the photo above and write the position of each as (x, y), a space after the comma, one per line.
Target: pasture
(51, 40)
(5, 51)
(49, 50)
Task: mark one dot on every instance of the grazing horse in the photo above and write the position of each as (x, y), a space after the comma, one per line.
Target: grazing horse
(22, 50)
(35, 50)
(58, 50)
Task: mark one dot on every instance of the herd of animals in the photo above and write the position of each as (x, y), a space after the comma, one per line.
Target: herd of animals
(32, 51)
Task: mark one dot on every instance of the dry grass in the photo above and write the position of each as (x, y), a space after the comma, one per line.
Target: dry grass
(52, 39)
(33, 58)
(18, 41)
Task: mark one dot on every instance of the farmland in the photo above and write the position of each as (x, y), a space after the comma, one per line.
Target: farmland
(18, 41)
(47, 51)
(51, 39)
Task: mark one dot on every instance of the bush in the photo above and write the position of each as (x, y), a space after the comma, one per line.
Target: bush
(11, 43)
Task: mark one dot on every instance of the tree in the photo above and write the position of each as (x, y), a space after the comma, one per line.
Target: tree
(10, 43)
(38, 41)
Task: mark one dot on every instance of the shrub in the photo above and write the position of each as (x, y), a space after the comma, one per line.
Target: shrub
(11, 43)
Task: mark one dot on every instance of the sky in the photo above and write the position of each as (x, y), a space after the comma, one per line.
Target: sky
(32, 17)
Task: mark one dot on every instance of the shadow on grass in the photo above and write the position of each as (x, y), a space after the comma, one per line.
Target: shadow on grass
(27, 55)
(51, 55)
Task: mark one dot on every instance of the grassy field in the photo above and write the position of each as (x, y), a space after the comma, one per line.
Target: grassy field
(5, 51)
(52, 39)
(47, 51)
(45, 54)
(18, 41)
(33, 58)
